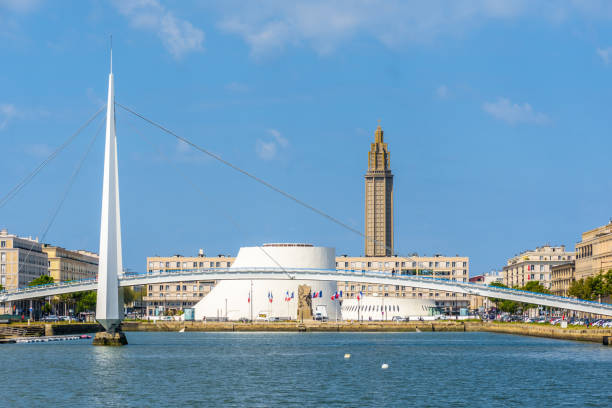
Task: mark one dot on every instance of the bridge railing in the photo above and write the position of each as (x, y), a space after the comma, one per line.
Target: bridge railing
(343, 274)
(349, 273)
(46, 286)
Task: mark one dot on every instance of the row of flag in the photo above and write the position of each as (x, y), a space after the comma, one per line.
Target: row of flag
(289, 297)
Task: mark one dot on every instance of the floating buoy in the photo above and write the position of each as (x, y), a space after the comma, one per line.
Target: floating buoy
(384, 366)
(347, 356)
(182, 330)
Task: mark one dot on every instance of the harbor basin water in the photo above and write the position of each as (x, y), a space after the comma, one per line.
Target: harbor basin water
(308, 369)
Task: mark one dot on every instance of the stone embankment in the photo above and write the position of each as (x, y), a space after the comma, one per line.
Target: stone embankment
(524, 329)
(8, 331)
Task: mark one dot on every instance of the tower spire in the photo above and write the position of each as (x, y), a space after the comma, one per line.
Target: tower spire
(111, 54)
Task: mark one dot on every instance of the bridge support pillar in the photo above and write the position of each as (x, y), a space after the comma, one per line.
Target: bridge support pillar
(110, 339)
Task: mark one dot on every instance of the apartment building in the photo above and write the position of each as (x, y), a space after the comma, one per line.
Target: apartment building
(563, 276)
(594, 252)
(535, 265)
(67, 265)
(171, 298)
(440, 267)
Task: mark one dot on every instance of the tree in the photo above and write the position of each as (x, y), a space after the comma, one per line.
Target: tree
(592, 287)
(41, 280)
(128, 295)
(508, 306)
(86, 301)
(46, 308)
(533, 286)
(1, 288)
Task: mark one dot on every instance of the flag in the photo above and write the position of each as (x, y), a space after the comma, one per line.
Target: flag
(359, 295)
(320, 293)
(287, 297)
(315, 295)
(270, 296)
(249, 299)
(340, 293)
(291, 295)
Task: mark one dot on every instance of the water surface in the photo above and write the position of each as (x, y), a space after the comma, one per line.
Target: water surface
(308, 369)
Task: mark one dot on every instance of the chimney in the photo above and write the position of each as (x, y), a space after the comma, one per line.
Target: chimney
(201, 253)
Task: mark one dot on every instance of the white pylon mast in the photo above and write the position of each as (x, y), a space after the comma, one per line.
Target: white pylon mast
(108, 310)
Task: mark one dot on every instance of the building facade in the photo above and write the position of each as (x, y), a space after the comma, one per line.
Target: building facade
(21, 260)
(535, 265)
(480, 302)
(379, 199)
(440, 267)
(172, 298)
(594, 252)
(563, 276)
(66, 265)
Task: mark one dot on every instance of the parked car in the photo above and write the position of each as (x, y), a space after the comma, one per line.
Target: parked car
(398, 319)
(51, 318)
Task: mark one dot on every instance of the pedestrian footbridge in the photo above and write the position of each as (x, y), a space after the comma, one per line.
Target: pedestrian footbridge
(369, 277)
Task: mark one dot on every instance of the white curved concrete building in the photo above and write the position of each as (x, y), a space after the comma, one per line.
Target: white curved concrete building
(230, 298)
(385, 308)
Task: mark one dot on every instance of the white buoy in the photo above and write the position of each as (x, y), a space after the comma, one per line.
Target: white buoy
(384, 366)
(347, 356)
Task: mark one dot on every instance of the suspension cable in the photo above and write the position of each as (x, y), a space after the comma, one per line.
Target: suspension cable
(199, 190)
(19, 186)
(65, 193)
(254, 177)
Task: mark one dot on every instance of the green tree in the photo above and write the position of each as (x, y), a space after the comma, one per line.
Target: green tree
(46, 308)
(128, 295)
(41, 280)
(86, 301)
(533, 286)
(592, 287)
(1, 288)
(508, 306)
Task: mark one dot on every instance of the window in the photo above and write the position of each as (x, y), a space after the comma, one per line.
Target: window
(2, 244)
(178, 288)
(3, 257)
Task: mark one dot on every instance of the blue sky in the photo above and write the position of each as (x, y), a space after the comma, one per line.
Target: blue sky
(497, 116)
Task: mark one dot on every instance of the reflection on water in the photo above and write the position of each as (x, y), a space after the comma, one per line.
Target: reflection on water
(297, 369)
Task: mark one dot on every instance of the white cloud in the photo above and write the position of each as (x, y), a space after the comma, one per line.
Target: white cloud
(7, 113)
(178, 36)
(20, 6)
(268, 149)
(237, 87)
(325, 25)
(265, 150)
(513, 113)
(605, 54)
(278, 137)
(442, 92)
(38, 150)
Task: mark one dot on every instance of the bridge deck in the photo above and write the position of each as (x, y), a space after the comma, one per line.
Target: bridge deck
(384, 278)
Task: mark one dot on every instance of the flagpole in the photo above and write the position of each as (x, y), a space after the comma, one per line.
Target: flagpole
(251, 302)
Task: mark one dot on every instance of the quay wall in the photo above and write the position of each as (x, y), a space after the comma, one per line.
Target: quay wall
(47, 329)
(524, 329)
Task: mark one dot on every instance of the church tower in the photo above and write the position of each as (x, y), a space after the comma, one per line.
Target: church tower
(378, 199)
